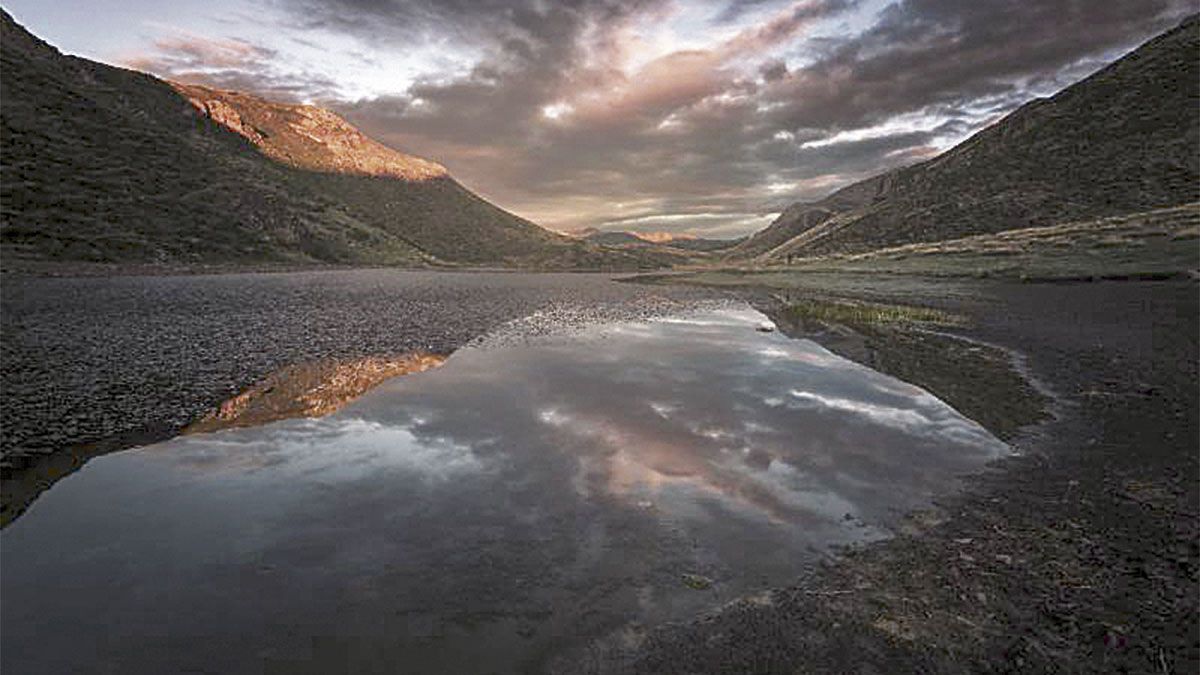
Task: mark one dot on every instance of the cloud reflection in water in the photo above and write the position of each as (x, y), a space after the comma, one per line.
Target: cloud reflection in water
(704, 405)
(483, 512)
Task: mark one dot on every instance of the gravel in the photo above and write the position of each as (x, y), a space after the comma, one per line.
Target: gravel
(1078, 555)
(124, 360)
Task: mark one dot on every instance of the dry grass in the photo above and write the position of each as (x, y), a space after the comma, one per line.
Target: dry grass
(1155, 243)
(858, 314)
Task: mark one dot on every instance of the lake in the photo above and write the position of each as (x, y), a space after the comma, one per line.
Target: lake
(508, 508)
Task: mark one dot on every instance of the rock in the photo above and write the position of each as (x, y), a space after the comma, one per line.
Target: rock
(697, 582)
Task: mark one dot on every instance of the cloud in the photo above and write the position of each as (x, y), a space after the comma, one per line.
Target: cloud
(737, 9)
(924, 53)
(593, 112)
(229, 63)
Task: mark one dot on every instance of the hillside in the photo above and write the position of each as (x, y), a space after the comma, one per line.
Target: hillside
(109, 165)
(702, 244)
(669, 240)
(612, 238)
(1124, 140)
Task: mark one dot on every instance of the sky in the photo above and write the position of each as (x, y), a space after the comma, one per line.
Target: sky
(701, 117)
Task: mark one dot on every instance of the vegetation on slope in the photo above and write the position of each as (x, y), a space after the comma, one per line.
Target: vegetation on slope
(1154, 244)
(1159, 244)
(102, 164)
(1124, 140)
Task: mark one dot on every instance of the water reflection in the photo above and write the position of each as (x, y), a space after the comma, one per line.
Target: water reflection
(311, 389)
(511, 504)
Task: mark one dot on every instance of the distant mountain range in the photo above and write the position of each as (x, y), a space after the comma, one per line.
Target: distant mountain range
(677, 241)
(1124, 140)
(104, 164)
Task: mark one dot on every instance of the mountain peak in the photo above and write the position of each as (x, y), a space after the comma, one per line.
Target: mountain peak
(109, 165)
(305, 136)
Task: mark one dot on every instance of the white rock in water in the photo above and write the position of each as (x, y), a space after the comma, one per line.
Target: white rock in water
(765, 327)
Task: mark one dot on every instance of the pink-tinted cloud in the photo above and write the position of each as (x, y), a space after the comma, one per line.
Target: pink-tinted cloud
(587, 112)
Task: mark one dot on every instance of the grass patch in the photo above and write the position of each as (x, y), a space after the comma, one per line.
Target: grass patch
(857, 314)
(977, 380)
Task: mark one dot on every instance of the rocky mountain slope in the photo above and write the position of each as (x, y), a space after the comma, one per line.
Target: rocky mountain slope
(109, 165)
(612, 238)
(683, 242)
(1124, 140)
(305, 136)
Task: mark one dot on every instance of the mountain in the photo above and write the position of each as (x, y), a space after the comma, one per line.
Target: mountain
(704, 245)
(104, 164)
(663, 237)
(668, 239)
(612, 238)
(1126, 139)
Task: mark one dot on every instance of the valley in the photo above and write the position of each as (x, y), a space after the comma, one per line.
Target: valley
(281, 397)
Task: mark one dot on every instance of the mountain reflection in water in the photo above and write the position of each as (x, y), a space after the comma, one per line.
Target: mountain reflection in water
(516, 502)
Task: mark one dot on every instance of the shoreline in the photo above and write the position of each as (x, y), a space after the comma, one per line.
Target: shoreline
(94, 366)
(1080, 549)
(45, 269)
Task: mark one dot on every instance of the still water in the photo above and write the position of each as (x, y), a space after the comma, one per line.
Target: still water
(488, 516)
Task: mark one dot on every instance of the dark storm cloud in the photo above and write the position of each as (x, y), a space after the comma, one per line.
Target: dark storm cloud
(480, 22)
(616, 139)
(926, 52)
(556, 121)
(851, 157)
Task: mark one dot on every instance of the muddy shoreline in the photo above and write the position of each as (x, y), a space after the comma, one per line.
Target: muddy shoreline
(1079, 555)
(95, 365)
